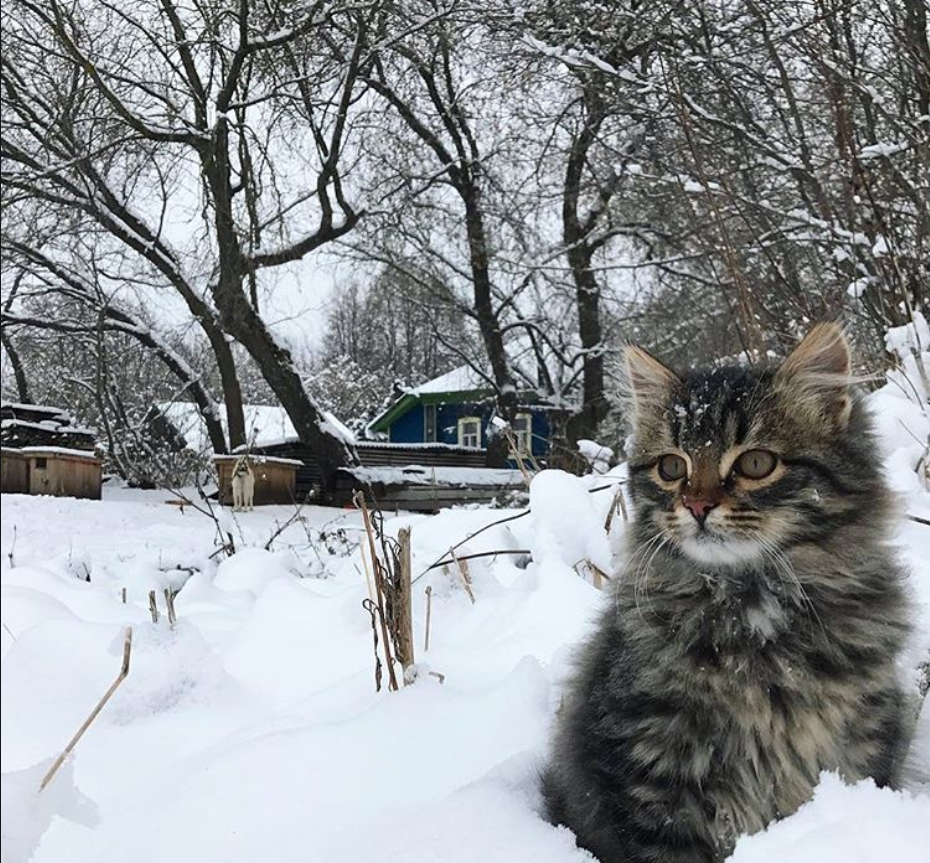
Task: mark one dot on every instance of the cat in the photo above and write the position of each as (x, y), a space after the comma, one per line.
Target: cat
(752, 637)
(243, 484)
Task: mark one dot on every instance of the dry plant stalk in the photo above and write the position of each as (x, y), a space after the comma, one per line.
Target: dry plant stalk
(123, 674)
(598, 576)
(429, 611)
(153, 606)
(462, 564)
(518, 456)
(379, 591)
(619, 502)
(367, 571)
(169, 604)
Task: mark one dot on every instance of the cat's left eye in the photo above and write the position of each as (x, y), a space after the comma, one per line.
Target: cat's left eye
(756, 463)
(672, 467)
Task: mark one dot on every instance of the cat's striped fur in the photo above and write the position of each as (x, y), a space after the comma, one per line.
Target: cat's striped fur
(744, 655)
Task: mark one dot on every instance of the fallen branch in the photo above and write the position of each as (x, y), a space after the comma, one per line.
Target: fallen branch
(123, 674)
(456, 558)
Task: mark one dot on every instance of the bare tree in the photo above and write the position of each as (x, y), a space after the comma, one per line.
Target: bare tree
(193, 108)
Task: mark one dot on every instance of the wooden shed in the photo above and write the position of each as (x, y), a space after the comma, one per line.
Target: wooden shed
(63, 472)
(275, 478)
(14, 475)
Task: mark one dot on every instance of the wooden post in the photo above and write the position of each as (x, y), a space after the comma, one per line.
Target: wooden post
(153, 606)
(122, 594)
(403, 602)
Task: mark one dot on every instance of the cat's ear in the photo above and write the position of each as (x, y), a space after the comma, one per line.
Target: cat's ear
(648, 382)
(816, 377)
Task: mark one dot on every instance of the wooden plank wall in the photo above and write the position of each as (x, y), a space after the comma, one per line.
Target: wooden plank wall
(14, 474)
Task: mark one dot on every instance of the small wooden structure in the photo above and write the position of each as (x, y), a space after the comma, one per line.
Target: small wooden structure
(14, 474)
(63, 472)
(45, 452)
(275, 478)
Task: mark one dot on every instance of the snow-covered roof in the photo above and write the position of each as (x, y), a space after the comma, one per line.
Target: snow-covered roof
(80, 454)
(44, 409)
(265, 425)
(461, 380)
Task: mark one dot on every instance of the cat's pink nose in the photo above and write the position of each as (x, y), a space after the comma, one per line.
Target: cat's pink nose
(699, 506)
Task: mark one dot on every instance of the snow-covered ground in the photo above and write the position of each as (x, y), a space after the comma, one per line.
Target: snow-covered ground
(252, 731)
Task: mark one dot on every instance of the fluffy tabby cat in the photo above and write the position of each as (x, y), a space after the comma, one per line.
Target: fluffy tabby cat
(754, 630)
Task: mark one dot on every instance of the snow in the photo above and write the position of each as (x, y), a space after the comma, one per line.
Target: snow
(596, 455)
(258, 458)
(251, 730)
(87, 455)
(858, 824)
(27, 814)
(461, 379)
(45, 409)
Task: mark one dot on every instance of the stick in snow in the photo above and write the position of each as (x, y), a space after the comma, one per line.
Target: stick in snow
(123, 674)
(429, 609)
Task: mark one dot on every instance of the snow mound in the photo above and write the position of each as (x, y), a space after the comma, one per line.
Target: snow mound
(28, 812)
(567, 526)
(845, 824)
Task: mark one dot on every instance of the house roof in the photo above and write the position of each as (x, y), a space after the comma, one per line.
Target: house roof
(461, 380)
(460, 384)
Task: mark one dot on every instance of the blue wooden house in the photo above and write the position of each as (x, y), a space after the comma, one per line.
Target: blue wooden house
(456, 409)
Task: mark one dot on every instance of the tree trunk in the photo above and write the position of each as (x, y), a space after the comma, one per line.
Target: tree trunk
(277, 367)
(241, 320)
(498, 450)
(576, 234)
(232, 391)
(19, 373)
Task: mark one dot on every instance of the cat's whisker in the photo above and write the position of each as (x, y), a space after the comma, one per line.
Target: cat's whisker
(641, 551)
(783, 565)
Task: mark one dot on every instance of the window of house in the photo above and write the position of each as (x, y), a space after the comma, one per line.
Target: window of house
(522, 426)
(41, 463)
(429, 423)
(470, 432)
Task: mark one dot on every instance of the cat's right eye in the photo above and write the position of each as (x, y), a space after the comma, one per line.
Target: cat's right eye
(672, 467)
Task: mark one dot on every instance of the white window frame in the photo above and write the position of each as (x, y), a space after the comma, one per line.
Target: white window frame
(523, 438)
(461, 432)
